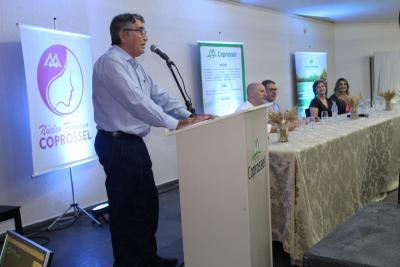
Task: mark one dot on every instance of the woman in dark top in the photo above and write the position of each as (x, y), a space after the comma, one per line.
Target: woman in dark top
(340, 92)
(320, 102)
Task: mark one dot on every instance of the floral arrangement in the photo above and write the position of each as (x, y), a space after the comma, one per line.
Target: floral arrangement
(280, 121)
(388, 95)
(292, 114)
(279, 117)
(352, 101)
(276, 117)
(284, 121)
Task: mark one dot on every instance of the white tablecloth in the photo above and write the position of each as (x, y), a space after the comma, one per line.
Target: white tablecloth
(324, 175)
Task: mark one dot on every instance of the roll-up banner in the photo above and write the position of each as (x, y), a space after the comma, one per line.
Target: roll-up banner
(310, 66)
(222, 76)
(58, 70)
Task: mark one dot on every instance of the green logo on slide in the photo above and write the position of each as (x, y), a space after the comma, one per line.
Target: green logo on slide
(211, 53)
(220, 54)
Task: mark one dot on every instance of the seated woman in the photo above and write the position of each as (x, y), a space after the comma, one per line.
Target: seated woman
(340, 92)
(320, 102)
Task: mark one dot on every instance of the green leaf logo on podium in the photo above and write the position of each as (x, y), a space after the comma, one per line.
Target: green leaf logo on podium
(257, 150)
(256, 164)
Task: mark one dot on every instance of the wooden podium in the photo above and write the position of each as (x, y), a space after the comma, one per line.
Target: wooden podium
(224, 191)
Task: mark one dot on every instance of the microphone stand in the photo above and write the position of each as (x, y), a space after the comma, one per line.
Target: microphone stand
(188, 104)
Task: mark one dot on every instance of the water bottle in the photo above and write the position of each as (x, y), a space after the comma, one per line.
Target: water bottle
(361, 107)
(367, 106)
(334, 111)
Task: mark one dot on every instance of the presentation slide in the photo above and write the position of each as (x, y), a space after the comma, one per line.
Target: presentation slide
(222, 76)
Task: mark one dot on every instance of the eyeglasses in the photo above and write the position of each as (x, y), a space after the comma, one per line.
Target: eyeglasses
(142, 31)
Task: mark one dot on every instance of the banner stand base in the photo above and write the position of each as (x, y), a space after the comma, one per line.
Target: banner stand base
(74, 206)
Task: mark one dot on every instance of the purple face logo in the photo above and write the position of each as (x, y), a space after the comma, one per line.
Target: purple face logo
(60, 80)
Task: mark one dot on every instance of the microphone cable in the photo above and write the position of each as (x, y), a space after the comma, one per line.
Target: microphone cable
(184, 86)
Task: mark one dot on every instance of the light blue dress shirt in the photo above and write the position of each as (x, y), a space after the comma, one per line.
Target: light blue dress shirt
(126, 99)
(272, 106)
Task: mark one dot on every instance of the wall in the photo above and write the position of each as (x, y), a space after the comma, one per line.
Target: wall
(269, 39)
(356, 43)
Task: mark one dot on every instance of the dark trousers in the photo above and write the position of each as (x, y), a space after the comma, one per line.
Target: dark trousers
(132, 197)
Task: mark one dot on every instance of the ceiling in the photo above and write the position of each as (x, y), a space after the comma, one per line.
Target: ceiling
(337, 11)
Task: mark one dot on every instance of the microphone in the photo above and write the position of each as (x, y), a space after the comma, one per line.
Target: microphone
(157, 50)
(170, 63)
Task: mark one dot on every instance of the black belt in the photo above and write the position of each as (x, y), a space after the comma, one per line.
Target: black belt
(117, 134)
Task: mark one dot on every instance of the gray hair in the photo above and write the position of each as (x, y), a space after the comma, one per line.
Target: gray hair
(119, 22)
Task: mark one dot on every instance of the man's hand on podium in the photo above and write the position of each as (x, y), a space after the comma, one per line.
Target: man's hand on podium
(194, 119)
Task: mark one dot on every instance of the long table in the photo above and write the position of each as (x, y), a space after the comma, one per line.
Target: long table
(324, 175)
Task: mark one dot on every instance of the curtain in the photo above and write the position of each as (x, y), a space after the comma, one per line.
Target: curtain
(386, 72)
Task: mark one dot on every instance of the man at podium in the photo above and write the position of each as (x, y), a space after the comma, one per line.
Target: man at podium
(126, 104)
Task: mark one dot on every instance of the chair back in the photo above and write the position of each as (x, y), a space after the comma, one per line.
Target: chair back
(307, 110)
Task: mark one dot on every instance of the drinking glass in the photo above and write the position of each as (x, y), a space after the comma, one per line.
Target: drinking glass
(373, 108)
(302, 123)
(311, 122)
(367, 106)
(324, 116)
(379, 104)
(398, 100)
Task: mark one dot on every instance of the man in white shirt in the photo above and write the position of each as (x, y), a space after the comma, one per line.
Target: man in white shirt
(256, 96)
(270, 95)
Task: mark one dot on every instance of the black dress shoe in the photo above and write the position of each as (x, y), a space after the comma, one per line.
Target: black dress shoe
(166, 262)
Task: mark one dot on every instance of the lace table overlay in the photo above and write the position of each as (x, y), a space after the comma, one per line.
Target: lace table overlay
(324, 175)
